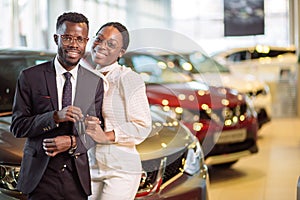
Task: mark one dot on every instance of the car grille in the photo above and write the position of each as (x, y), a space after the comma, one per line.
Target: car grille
(174, 165)
(220, 116)
(258, 92)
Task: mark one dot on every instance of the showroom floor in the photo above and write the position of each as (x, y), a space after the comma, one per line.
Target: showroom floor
(271, 174)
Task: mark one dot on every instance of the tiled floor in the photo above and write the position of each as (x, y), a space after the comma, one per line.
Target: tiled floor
(271, 174)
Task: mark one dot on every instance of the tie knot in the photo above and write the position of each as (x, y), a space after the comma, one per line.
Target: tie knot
(67, 75)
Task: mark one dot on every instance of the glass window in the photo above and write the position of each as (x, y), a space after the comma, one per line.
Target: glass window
(157, 71)
(205, 64)
(9, 72)
(10, 68)
(240, 56)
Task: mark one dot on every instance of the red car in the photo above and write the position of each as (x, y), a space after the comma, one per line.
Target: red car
(222, 119)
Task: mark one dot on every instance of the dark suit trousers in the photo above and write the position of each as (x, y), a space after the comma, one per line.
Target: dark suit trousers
(59, 184)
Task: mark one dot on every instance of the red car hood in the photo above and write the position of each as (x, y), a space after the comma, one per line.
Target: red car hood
(192, 95)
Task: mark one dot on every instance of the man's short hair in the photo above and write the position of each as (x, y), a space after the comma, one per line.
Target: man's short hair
(71, 17)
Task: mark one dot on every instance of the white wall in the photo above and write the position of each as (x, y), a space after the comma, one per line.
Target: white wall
(200, 20)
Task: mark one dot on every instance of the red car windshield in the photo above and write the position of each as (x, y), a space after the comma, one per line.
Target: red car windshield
(157, 71)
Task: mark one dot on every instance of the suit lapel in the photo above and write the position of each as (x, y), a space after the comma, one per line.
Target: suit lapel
(50, 77)
(79, 86)
(85, 90)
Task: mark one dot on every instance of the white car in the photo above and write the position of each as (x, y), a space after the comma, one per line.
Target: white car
(267, 63)
(206, 69)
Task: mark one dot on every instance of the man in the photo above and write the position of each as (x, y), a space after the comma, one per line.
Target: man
(48, 109)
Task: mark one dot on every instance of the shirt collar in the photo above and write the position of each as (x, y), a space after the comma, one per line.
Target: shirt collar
(60, 70)
(108, 68)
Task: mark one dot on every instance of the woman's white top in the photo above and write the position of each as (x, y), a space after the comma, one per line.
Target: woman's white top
(126, 112)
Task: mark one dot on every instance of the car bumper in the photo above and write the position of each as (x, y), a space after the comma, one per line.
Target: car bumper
(183, 187)
(226, 158)
(11, 195)
(5, 197)
(263, 117)
(239, 145)
(263, 108)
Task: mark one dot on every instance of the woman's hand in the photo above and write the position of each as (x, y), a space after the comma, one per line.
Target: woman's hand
(94, 130)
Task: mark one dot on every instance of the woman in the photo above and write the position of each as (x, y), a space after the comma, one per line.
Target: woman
(126, 116)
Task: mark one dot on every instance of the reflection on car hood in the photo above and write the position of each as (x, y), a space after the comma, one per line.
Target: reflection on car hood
(192, 95)
(241, 82)
(167, 137)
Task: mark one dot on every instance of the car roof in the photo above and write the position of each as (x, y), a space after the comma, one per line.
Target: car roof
(25, 51)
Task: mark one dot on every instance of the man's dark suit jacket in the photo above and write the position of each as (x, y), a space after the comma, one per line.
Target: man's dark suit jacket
(34, 105)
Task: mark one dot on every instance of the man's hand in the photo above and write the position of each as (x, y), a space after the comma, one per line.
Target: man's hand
(69, 113)
(54, 146)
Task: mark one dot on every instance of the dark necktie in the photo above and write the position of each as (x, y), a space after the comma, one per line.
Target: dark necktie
(67, 90)
(62, 160)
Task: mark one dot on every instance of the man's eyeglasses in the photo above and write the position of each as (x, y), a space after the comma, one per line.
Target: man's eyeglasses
(111, 43)
(68, 39)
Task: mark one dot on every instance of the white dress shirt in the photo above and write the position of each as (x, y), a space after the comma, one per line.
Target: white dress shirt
(60, 81)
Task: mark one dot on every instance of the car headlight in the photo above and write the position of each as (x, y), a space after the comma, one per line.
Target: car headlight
(261, 92)
(9, 176)
(250, 107)
(266, 90)
(194, 159)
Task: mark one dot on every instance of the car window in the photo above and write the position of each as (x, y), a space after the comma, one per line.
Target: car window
(10, 68)
(195, 63)
(271, 53)
(180, 62)
(156, 71)
(9, 71)
(240, 56)
(204, 64)
(33, 60)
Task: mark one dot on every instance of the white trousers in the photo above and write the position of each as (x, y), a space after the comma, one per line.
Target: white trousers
(111, 184)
